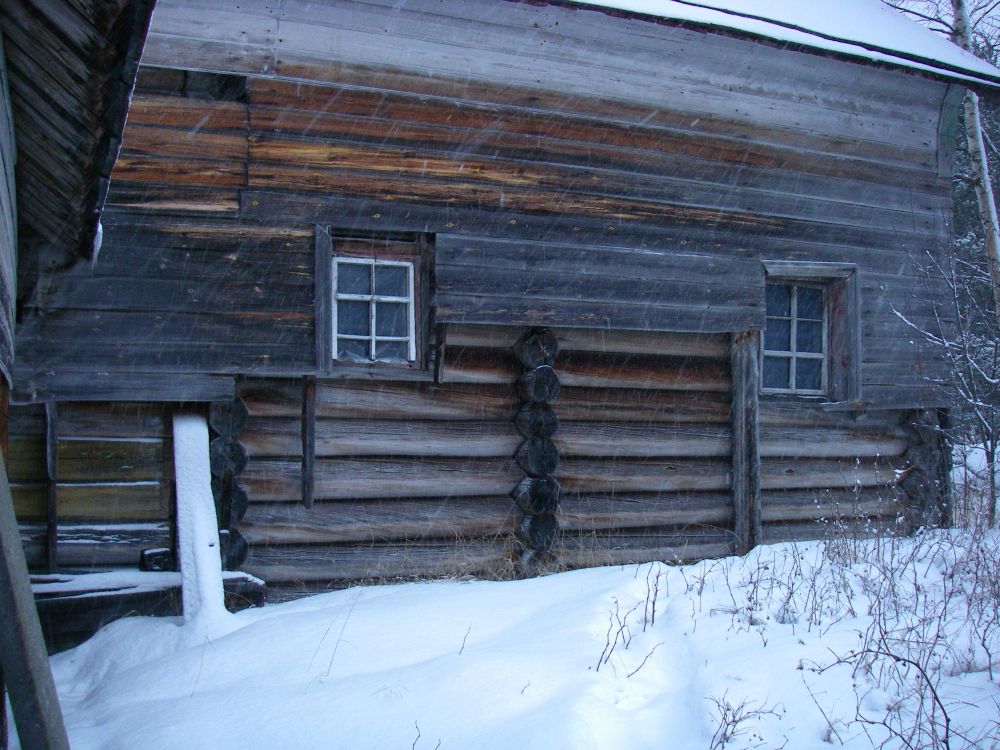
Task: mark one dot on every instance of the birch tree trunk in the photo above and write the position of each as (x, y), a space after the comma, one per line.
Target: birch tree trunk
(977, 158)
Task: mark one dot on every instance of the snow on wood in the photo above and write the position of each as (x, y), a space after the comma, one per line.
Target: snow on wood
(198, 529)
(861, 28)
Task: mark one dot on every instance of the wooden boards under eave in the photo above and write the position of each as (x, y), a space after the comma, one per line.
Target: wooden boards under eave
(113, 481)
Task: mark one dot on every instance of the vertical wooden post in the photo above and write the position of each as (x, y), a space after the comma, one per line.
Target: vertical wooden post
(51, 463)
(23, 659)
(747, 525)
(308, 440)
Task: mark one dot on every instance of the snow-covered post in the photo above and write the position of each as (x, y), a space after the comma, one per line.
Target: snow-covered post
(197, 526)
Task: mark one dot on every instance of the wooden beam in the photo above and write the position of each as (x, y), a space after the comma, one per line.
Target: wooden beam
(308, 440)
(23, 659)
(52, 472)
(746, 445)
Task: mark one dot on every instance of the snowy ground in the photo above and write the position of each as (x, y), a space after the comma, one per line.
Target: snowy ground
(781, 649)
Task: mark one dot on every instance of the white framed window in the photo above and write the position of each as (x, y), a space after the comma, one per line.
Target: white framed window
(373, 311)
(795, 349)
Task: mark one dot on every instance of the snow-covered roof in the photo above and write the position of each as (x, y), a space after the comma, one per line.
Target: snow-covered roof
(860, 28)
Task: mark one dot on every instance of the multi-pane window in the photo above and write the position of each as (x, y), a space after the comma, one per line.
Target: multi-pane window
(795, 345)
(373, 311)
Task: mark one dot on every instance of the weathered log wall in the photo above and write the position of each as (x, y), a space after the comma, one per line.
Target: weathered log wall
(562, 188)
(112, 482)
(415, 478)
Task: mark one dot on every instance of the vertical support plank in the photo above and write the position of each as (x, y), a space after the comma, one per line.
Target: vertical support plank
(51, 463)
(308, 440)
(747, 524)
(323, 294)
(23, 660)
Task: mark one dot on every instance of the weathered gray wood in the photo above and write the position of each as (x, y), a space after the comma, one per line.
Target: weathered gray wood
(23, 660)
(537, 495)
(635, 475)
(746, 471)
(227, 419)
(322, 271)
(776, 473)
(536, 420)
(83, 385)
(537, 457)
(308, 434)
(537, 347)
(607, 371)
(538, 385)
(623, 548)
(802, 505)
(52, 472)
(602, 341)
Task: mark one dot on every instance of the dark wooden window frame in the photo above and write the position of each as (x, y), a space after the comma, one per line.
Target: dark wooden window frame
(421, 258)
(839, 281)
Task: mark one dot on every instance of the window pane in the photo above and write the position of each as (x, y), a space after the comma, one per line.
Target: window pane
(809, 337)
(354, 278)
(808, 374)
(353, 318)
(810, 303)
(352, 349)
(391, 350)
(779, 300)
(778, 335)
(392, 281)
(777, 371)
(391, 319)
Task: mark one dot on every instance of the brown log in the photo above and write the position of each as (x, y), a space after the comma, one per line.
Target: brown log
(227, 456)
(621, 548)
(539, 385)
(535, 495)
(358, 478)
(537, 457)
(228, 419)
(538, 532)
(598, 340)
(319, 563)
(811, 505)
(378, 521)
(642, 475)
(537, 347)
(536, 420)
(781, 474)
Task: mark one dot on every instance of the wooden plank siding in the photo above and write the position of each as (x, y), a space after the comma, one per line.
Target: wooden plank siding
(617, 181)
(647, 207)
(114, 482)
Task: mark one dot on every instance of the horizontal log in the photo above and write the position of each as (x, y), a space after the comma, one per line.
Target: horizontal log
(603, 341)
(103, 503)
(622, 371)
(378, 521)
(775, 411)
(646, 546)
(322, 563)
(828, 442)
(90, 546)
(25, 459)
(185, 113)
(269, 436)
(367, 400)
(353, 399)
(622, 510)
(129, 385)
(25, 421)
(811, 505)
(637, 475)
(642, 440)
(780, 474)
(359, 478)
(843, 530)
(118, 420)
(119, 461)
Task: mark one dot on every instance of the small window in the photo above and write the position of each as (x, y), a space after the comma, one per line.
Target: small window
(795, 339)
(373, 311)
(811, 345)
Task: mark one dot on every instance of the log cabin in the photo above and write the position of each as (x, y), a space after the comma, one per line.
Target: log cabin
(489, 286)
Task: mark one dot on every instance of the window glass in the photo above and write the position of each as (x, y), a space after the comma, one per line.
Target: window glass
(353, 318)
(354, 278)
(794, 341)
(776, 372)
(391, 318)
(392, 281)
(374, 310)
